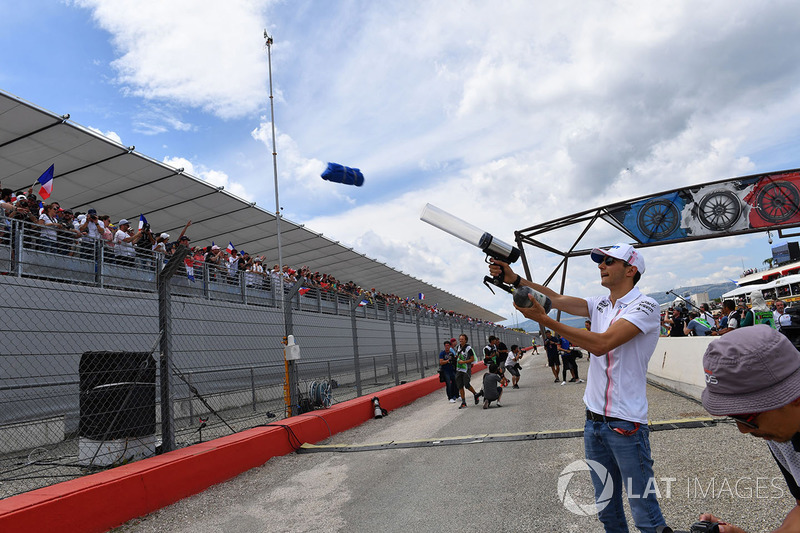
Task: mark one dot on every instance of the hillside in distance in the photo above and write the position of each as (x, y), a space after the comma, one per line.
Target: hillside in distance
(714, 290)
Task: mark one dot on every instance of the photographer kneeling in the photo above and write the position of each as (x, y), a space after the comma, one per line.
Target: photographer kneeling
(753, 376)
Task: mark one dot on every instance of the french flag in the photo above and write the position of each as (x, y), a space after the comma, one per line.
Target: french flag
(421, 296)
(142, 221)
(363, 303)
(46, 181)
(41, 208)
(230, 248)
(189, 262)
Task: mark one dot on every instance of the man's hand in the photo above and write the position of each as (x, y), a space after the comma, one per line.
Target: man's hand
(499, 268)
(724, 527)
(535, 312)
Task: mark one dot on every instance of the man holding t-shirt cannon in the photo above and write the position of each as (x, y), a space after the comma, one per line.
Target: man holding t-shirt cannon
(625, 329)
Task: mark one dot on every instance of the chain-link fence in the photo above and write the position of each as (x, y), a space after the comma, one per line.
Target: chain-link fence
(107, 361)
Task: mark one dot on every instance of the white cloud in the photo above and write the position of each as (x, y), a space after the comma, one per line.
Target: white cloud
(505, 114)
(217, 178)
(196, 53)
(109, 134)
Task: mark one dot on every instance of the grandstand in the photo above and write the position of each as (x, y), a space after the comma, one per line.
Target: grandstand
(94, 171)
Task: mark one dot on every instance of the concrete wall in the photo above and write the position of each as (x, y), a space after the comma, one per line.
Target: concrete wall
(677, 364)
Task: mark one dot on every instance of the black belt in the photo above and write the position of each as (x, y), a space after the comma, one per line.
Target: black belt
(594, 417)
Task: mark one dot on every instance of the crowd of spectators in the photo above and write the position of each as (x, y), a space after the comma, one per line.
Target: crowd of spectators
(682, 320)
(57, 230)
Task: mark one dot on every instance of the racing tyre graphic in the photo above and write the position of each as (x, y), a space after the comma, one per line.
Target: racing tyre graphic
(658, 219)
(778, 201)
(719, 210)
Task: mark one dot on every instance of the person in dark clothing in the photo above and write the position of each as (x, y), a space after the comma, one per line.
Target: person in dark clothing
(676, 323)
(551, 347)
(447, 367)
(492, 391)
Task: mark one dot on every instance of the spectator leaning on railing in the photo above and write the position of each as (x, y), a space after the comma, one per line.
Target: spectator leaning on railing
(124, 239)
(60, 231)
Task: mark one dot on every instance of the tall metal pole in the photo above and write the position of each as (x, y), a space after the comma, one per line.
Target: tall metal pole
(275, 167)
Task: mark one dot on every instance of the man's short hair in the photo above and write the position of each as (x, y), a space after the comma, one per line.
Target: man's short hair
(729, 304)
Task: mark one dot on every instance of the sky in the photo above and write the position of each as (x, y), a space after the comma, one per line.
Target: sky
(506, 114)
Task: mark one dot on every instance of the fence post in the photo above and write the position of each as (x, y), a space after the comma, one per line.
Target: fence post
(206, 281)
(395, 370)
(253, 386)
(419, 343)
(99, 259)
(191, 400)
(356, 361)
(292, 367)
(16, 258)
(165, 361)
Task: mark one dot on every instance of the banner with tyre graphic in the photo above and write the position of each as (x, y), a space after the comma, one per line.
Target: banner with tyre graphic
(728, 207)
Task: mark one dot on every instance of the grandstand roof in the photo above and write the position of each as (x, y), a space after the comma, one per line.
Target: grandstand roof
(94, 171)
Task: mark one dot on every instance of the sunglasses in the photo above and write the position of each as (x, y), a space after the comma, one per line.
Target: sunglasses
(608, 261)
(746, 420)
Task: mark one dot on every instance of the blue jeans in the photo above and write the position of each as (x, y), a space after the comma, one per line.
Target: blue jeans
(627, 460)
(450, 385)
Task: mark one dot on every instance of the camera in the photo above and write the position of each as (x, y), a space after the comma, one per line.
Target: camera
(703, 526)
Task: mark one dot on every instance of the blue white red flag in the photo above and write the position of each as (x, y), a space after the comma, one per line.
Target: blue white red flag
(230, 248)
(421, 296)
(142, 221)
(46, 181)
(189, 262)
(363, 303)
(41, 208)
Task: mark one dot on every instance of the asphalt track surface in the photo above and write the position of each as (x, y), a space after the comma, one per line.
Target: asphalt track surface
(484, 486)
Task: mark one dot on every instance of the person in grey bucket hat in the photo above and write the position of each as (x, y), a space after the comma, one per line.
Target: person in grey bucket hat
(753, 376)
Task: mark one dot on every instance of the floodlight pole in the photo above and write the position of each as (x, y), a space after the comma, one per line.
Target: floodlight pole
(275, 168)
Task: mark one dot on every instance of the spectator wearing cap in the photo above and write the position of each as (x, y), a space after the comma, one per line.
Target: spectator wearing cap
(676, 323)
(213, 260)
(124, 239)
(161, 244)
(753, 376)
(623, 337)
(169, 248)
(255, 273)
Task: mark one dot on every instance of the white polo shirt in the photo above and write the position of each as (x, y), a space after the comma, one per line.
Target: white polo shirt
(617, 381)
